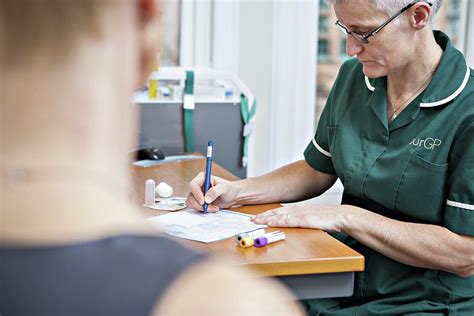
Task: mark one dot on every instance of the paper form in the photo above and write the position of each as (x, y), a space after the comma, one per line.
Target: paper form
(194, 225)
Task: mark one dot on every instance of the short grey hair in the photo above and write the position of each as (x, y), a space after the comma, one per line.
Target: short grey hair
(391, 7)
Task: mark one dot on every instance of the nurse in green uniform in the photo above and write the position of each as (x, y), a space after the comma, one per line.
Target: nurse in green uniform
(398, 131)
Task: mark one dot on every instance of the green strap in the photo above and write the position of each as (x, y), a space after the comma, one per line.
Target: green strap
(189, 84)
(247, 116)
(188, 106)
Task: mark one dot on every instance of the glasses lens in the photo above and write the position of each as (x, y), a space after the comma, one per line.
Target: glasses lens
(360, 38)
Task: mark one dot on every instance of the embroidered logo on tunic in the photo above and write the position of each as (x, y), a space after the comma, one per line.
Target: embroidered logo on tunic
(428, 143)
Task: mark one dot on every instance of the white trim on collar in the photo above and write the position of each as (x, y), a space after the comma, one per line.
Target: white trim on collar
(367, 83)
(322, 151)
(452, 96)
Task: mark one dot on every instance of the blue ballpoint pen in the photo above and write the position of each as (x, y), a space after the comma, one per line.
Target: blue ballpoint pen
(207, 181)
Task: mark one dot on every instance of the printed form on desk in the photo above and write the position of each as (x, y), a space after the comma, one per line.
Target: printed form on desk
(194, 225)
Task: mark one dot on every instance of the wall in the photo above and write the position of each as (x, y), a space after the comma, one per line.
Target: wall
(277, 56)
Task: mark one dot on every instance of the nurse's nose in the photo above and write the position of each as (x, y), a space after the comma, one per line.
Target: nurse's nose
(353, 47)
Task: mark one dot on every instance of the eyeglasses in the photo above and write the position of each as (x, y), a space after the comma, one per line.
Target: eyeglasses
(363, 37)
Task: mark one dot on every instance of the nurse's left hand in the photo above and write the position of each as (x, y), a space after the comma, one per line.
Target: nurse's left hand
(330, 218)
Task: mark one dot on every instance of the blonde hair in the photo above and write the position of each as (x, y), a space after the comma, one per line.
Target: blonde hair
(30, 27)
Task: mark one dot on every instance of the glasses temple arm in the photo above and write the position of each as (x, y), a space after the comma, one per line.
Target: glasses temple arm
(390, 20)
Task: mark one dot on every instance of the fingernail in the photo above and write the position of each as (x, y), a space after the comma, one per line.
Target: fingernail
(271, 223)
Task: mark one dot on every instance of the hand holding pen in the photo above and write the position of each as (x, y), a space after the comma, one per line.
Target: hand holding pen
(207, 179)
(221, 194)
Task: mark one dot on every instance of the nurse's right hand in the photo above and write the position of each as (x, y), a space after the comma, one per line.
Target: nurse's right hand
(222, 193)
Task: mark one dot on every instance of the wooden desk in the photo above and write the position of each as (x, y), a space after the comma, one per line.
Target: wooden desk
(311, 262)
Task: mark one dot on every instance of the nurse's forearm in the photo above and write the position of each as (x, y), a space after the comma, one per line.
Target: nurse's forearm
(420, 245)
(293, 182)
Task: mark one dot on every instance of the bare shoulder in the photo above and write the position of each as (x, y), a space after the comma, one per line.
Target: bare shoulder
(215, 287)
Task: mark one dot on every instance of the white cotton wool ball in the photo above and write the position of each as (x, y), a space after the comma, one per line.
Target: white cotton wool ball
(164, 190)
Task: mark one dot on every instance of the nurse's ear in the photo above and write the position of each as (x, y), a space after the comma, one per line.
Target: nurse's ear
(419, 15)
(149, 19)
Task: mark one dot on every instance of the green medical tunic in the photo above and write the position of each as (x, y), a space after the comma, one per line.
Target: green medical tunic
(419, 168)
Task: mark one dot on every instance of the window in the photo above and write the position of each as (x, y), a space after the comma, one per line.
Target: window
(342, 50)
(322, 49)
(454, 5)
(323, 5)
(331, 53)
(449, 19)
(323, 24)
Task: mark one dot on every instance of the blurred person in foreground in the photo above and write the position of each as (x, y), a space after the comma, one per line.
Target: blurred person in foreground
(398, 131)
(71, 242)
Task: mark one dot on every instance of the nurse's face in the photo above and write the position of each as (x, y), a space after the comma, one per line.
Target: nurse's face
(389, 50)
